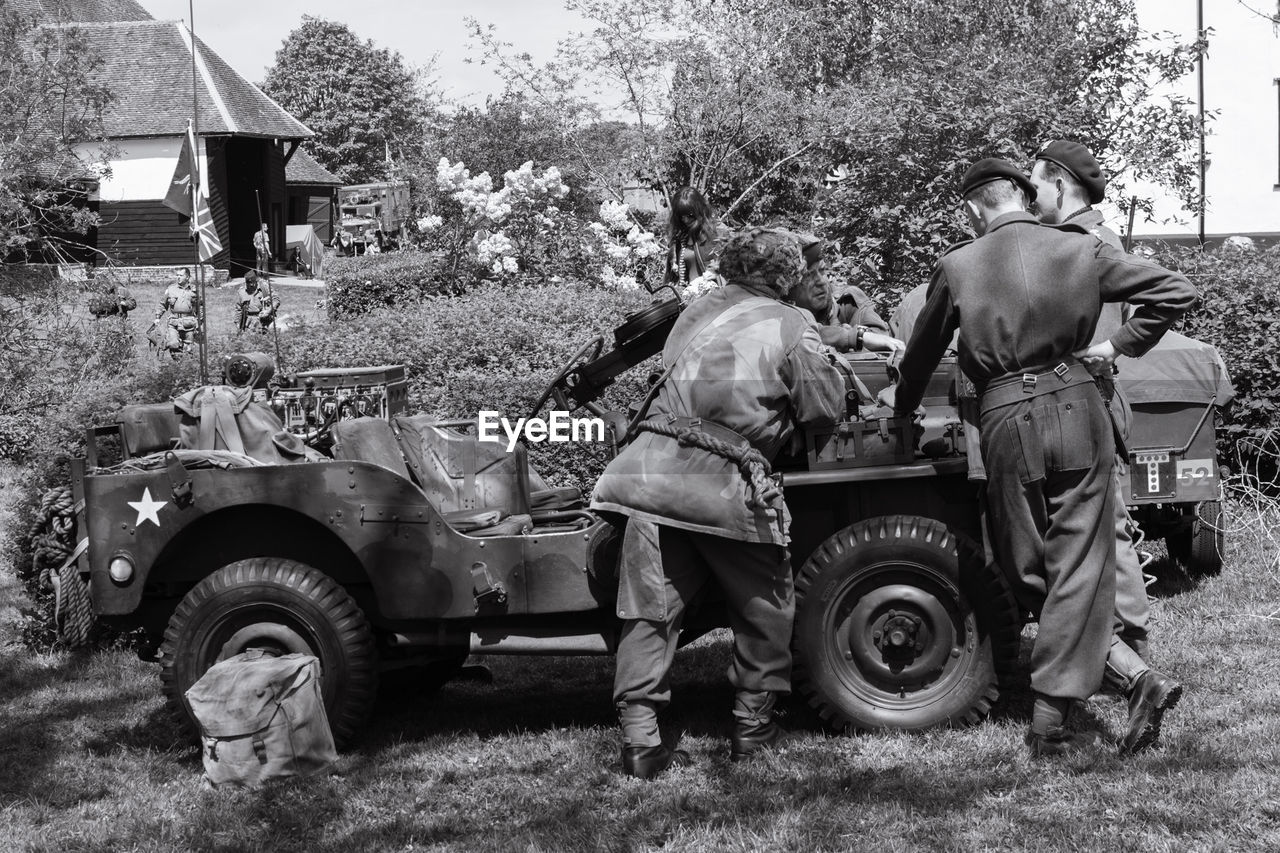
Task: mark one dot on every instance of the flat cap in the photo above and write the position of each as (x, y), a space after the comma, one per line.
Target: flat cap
(768, 257)
(992, 169)
(1080, 162)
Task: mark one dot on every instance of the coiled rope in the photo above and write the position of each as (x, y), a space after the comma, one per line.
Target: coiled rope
(750, 462)
(54, 553)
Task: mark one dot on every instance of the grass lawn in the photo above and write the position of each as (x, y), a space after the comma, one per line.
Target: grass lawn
(89, 761)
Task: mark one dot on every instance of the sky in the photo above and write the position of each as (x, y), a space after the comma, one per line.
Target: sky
(247, 33)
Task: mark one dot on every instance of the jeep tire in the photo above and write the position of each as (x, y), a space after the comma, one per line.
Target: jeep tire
(284, 606)
(900, 624)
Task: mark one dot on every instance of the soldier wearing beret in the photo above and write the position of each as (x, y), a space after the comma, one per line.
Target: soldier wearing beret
(744, 372)
(1025, 299)
(1068, 182)
(847, 319)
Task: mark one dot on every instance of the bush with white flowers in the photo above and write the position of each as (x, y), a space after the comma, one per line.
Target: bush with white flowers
(522, 230)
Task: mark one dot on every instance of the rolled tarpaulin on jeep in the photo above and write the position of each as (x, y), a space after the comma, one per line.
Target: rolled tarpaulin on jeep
(1177, 370)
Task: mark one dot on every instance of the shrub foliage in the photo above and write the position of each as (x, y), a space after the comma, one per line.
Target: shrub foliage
(366, 282)
(1239, 313)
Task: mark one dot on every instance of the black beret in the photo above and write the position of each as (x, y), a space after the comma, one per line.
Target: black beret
(994, 169)
(1077, 160)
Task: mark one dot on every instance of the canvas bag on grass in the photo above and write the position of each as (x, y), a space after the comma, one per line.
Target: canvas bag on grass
(262, 717)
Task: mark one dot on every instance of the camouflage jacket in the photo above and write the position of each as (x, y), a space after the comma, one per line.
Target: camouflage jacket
(182, 301)
(743, 360)
(257, 301)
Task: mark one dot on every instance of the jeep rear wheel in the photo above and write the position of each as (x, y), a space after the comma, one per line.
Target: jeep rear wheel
(900, 624)
(283, 606)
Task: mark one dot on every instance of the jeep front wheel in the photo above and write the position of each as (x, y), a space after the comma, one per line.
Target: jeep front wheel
(900, 624)
(282, 606)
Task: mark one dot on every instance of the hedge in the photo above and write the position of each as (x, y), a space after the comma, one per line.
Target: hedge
(364, 283)
(1239, 313)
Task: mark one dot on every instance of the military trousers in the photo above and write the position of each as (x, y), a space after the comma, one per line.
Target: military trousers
(1133, 610)
(1051, 499)
(757, 585)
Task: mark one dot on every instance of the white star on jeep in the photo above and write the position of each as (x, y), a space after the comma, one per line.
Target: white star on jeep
(148, 510)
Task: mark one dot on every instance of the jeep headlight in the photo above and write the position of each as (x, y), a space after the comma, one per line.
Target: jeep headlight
(121, 568)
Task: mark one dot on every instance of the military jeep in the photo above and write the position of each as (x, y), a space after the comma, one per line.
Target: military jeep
(410, 544)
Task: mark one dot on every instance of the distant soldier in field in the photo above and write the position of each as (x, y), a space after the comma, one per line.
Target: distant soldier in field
(262, 249)
(182, 304)
(253, 301)
(744, 372)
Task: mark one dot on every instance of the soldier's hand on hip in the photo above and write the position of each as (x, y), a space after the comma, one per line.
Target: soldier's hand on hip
(1098, 358)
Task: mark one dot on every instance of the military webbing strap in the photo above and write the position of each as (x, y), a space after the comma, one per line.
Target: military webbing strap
(218, 421)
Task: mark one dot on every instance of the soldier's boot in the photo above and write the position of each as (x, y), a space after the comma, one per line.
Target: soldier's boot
(1150, 694)
(1057, 741)
(1048, 735)
(644, 755)
(754, 727)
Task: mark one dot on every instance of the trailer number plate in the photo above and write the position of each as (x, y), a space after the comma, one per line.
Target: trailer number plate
(1152, 463)
(1194, 471)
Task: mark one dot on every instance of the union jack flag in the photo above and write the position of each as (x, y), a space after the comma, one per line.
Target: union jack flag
(184, 185)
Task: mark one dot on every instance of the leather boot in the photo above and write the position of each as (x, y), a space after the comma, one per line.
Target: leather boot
(754, 727)
(1057, 741)
(645, 762)
(1152, 694)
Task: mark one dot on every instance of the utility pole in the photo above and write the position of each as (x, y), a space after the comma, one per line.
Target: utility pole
(1200, 36)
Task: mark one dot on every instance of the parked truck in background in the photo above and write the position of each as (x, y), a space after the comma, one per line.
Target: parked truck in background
(373, 213)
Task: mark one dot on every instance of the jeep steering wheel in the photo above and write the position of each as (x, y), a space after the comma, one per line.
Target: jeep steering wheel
(589, 351)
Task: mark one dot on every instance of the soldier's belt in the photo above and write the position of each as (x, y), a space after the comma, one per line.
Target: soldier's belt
(1033, 383)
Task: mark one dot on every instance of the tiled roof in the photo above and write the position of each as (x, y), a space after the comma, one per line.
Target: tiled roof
(302, 168)
(86, 11)
(147, 64)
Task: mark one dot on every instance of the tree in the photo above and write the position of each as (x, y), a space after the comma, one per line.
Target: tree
(49, 102)
(755, 100)
(942, 86)
(362, 101)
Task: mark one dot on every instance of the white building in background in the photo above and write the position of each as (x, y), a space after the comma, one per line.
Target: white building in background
(1242, 86)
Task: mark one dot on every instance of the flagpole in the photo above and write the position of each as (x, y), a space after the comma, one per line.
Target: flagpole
(195, 192)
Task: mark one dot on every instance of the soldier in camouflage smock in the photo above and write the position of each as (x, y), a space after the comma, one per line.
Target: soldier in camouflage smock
(253, 302)
(182, 303)
(744, 371)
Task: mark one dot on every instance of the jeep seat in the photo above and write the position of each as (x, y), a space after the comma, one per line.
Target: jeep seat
(466, 479)
(148, 428)
(369, 440)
